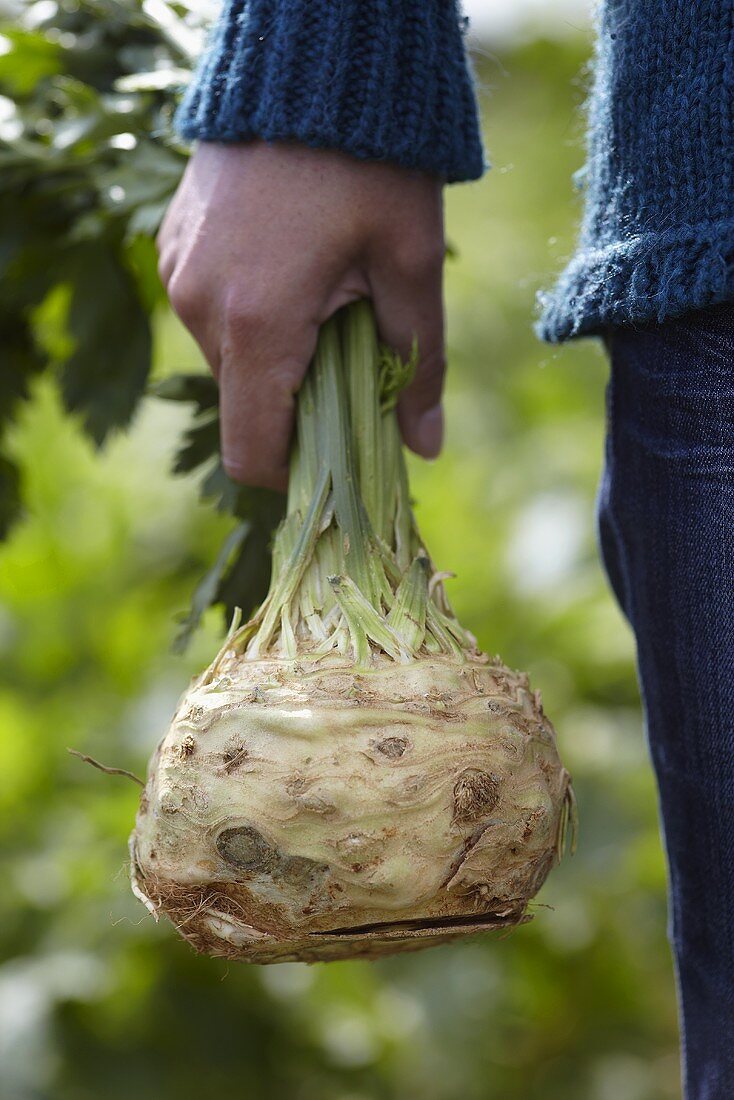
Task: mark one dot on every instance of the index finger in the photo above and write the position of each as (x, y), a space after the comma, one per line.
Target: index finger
(263, 363)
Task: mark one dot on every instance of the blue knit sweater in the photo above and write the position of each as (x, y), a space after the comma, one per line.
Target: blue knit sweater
(657, 238)
(388, 79)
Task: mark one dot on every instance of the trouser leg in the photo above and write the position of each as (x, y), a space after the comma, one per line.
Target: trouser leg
(666, 526)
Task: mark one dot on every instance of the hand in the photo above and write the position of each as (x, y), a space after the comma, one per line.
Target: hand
(263, 243)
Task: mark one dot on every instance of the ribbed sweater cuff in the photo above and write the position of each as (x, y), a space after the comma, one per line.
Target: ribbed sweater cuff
(379, 79)
(651, 277)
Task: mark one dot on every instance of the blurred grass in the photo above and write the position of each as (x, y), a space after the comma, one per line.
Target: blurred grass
(97, 1000)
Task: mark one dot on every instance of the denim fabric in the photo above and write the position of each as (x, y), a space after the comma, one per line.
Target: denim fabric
(666, 528)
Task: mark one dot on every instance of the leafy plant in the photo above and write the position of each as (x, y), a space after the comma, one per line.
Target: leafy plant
(88, 163)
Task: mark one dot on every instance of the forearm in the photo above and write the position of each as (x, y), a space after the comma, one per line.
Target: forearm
(378, 79)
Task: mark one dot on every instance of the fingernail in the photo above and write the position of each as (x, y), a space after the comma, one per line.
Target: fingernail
(429, 432)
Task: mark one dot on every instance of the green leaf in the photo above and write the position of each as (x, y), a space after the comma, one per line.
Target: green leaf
(10, 499)
(239, 581)
(200, 389)
(21, 360)
(105, 376)
(245, 584)
(141, 258)
(147, 175)
(228, 496)
(206, 591)
(201, 442)
(146, 220)
(88, 164)
(158, 80)
(31, 58)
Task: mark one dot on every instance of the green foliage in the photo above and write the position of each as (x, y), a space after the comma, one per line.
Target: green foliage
(104, 377)
(95, 999)
(241, 571)
(80, 174)
(87, 166)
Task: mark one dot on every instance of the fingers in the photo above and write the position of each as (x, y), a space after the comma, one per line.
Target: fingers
(263, 362)
(195, 303)
(258, 337)
(192, 282)
(262, 243)
(408, 298)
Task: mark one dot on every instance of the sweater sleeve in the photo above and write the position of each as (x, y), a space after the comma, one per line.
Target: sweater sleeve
(657, 237)
(378, 79)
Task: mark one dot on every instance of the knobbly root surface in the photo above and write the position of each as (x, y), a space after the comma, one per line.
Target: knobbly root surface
(303, 810)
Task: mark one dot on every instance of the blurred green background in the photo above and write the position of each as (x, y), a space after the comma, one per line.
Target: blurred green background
(95, 999)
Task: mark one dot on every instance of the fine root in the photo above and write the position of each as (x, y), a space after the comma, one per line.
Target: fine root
(107, 770)
(135, 881)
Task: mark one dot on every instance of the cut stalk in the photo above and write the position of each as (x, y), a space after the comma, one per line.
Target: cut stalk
(349, 516)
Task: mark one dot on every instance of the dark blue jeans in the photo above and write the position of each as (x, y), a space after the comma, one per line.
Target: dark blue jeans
(666, 526)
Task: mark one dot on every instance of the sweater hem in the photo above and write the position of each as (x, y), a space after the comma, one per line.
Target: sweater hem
(649, 278)
(411, 159)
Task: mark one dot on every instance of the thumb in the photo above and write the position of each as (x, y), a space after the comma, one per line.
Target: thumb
(409, 307)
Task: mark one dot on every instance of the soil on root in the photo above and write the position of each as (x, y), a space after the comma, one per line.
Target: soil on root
(218, 923)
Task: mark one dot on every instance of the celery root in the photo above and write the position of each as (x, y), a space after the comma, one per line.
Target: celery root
(350, 776)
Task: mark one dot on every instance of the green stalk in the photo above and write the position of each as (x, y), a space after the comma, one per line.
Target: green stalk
(349, 571)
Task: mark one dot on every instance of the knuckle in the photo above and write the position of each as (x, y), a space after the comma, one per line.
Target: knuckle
(165, 267)
(185, 298)
(161, 238)
(245, 311)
